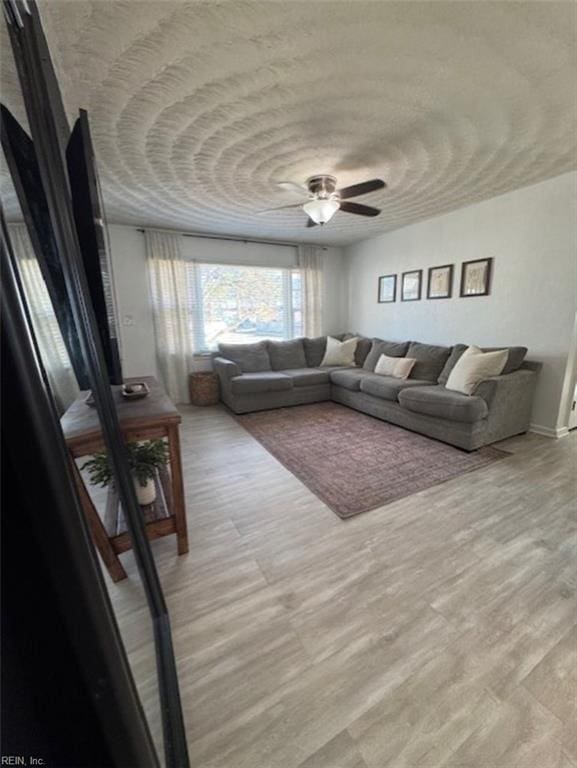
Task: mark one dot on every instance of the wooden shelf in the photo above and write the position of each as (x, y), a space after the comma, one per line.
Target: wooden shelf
(160, 509)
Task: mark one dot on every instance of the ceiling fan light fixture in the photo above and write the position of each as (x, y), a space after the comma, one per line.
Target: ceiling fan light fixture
(321, 210)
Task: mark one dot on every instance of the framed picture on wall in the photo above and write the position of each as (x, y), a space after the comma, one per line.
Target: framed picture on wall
(387, 289)
(411, 285)
(476, 277)
(440, 282)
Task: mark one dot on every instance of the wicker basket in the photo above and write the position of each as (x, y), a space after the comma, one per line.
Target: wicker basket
(203, 387)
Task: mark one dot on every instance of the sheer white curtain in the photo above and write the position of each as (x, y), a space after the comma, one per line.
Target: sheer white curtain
(172, 311)
(310, 262)
(45, 325)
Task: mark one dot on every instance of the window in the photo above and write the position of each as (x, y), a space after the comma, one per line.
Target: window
(47, 331)
(46, 328)
(238, 304)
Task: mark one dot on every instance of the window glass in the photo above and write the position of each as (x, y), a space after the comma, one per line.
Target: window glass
(236, 304)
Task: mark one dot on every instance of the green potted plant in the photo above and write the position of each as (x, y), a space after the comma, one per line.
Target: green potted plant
(144, 460)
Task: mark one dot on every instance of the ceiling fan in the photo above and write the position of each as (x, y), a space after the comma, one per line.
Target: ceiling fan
(324, 199)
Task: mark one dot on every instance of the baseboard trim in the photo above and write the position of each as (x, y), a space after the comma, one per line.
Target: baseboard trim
(558, 432)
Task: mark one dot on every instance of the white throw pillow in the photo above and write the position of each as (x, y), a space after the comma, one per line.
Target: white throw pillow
(473, 367)
(399, 367)
(386, 365)
(340, 352)
(404, 367)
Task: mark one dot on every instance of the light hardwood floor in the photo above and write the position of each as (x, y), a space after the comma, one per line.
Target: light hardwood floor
(437, 631)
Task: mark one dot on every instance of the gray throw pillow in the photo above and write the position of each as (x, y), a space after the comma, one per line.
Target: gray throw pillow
(315, 350)
(380, 347)
(287, 354)
(515, 359)
(430, 359)
(456, 353)
(363, 347)
(250, 358)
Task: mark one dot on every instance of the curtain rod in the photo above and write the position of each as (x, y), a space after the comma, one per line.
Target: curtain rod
(230, 238)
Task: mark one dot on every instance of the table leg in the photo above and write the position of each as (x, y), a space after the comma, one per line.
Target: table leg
(177, 490)
(108, 555)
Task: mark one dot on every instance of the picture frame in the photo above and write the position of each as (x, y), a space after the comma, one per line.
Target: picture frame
(440, 282)
(476, 277)
(387, 289)
(411, 285)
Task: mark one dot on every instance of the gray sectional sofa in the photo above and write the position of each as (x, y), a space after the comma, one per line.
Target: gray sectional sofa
(269, 374)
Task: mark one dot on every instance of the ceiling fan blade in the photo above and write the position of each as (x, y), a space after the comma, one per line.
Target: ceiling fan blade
(311, 223)
(280, 208)
(361, 189)
(360, 210)
(292, 186)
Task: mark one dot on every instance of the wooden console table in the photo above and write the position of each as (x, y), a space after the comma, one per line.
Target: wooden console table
(149, 418)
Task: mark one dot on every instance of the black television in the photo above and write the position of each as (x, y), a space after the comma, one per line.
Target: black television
(93, 239)
(23, 166)
(91, 231)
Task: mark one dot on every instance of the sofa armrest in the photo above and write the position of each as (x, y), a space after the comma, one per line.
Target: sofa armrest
(225, 369)
(510, 403)
(506, 385)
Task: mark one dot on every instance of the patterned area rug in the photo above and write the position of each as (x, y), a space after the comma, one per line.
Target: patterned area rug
(355, 462)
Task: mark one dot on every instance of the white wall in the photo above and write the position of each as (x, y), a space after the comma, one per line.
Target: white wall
(133, 297)
(532, 236)
(131, 282)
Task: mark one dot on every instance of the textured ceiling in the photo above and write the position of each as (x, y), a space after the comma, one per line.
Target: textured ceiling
(198, 108)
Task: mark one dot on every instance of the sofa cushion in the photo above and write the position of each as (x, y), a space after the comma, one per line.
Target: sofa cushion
(380, 347)
(250, 358)
(315, 350)
(363, 347)
(452, 360)
(265, 381)
(308, 377)
(287, 354)
(430, 359)
(443, 403)
(387, 387)
(514, 359)
(349, 378)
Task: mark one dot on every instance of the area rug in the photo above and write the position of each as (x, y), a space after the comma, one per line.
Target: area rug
(355, 462)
